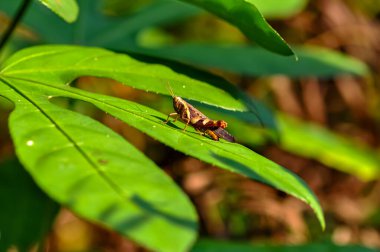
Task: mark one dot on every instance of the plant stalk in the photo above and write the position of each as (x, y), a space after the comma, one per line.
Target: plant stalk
(19, 14)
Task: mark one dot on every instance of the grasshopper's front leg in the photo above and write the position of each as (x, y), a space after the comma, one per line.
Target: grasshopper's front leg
(172, 114)
(188, 121)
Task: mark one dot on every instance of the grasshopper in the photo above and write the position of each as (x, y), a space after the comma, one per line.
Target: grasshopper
(201, 123)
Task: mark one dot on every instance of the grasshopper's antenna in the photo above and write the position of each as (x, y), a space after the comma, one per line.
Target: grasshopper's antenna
(170, 90)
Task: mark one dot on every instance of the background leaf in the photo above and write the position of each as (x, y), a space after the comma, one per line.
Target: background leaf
(312, 141)
(94, 27)
(120, 31)
(100, 30)
(26, 213)
(254, 61)
(67, 9)
(249, 20)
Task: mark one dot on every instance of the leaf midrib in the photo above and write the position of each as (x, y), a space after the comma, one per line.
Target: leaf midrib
(119, 191)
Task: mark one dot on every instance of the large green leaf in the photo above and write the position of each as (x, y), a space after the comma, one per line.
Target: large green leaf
(92, 170)
(20, 195)
(249, 20)
(254, 61)
(33, 75)
(279, 9)
(67, 9)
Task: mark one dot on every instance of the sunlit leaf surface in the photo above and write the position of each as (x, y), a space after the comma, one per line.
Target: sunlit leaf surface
(66, 9)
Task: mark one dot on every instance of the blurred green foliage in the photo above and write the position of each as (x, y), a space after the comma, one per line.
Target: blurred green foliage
(26, 213)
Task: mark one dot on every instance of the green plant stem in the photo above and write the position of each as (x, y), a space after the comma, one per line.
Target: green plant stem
(15, 21)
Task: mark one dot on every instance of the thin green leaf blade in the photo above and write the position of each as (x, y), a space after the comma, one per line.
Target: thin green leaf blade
(254, 61)
(66, 9)
(249, 20)
(92, 170)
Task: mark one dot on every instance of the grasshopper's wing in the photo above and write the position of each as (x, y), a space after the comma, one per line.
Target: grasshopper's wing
(195, 113)
(222, 133)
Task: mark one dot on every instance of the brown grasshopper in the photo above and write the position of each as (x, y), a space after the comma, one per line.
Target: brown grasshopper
(201, 123)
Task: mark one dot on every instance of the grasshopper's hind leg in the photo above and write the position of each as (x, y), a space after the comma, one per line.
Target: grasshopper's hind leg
(212, 135)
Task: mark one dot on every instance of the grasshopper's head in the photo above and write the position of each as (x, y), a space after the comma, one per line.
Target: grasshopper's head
(179, 104)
